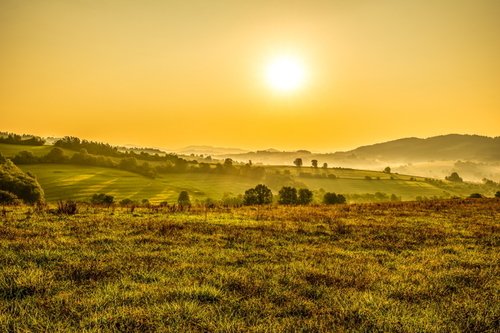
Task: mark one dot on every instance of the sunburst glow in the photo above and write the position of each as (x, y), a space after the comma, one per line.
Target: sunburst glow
(285, 74)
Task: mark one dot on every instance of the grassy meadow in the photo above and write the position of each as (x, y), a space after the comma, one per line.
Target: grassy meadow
(11, 150)
(78, 182)
(431, 266)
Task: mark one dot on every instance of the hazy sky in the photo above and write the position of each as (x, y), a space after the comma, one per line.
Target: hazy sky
(174, 73)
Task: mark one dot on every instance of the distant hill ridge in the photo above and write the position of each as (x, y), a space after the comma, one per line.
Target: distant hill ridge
(406, 150)
(451, 147)
(444, 147)
(209, 150)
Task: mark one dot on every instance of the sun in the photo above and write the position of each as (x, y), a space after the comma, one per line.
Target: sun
(285, 74)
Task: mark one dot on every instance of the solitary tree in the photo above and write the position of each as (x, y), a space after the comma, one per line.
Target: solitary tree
(395, 198)
(314, 163)
(260, 195)
(228, 166)
(298, 162)
(325, 165)
(454, 177)
(387, 170)
(183, 199)
(287, 196)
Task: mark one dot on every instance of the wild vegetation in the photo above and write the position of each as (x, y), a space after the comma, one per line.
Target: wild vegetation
(80, 176)
(428, 266)
(17, 183)
(12, 138)
(129, 161)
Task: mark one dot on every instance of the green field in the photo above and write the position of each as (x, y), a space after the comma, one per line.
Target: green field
(12, 150)
(62, 181)
(353, 181)
(430, 266)
(78, 182)
(408, 190)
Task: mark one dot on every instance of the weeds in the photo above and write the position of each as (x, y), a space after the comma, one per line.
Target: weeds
(66, 208)
(393, 267)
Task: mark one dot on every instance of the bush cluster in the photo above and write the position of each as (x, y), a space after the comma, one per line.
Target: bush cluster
(23, 185)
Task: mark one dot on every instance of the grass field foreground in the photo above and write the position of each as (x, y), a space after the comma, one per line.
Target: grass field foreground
(428, 266)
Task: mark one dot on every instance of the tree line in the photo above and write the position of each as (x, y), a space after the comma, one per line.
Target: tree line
(287, 195)
(132, 164)
(105, 149)
(29, 140)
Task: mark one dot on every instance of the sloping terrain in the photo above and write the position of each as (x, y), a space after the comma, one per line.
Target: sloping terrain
(77, 182)
(441, 148)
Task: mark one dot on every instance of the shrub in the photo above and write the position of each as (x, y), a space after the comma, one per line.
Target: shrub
(128, 201)
(15, 181)
(8, 198)
(67, 208)
(102, 199)
(184, 199)
(476, 196)
(395, 198)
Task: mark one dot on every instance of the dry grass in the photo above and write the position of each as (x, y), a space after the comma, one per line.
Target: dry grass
(430, 266)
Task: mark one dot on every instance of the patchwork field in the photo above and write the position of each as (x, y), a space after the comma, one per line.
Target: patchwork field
(61, 181)
(11, 150)
(77, 182)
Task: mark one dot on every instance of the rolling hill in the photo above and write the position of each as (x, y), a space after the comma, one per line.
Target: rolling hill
(440, 148)
(432, 157)
(80, 182)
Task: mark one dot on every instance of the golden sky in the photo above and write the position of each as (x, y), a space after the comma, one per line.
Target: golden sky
(174, 73)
